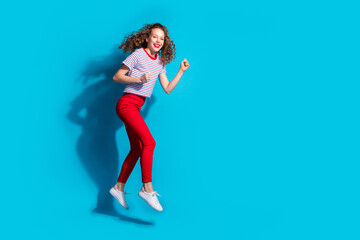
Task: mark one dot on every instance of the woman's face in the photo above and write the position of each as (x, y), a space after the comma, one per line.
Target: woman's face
(156, 39)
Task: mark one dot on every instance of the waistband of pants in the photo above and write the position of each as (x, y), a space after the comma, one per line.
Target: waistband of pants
(135, 95)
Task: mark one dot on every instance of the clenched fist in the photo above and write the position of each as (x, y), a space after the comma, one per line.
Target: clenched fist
(184, 65)
(145, 78)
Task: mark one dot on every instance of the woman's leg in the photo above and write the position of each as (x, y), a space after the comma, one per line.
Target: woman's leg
(132, 157)
(138, 128)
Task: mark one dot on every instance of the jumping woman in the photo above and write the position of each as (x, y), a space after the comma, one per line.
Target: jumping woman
(150, 50)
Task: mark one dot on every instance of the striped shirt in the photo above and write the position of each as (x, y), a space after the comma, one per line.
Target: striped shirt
(140, 62)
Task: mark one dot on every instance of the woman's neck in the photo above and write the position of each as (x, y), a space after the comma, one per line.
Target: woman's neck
(152, 54)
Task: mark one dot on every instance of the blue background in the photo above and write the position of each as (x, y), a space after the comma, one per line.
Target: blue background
(259, 140)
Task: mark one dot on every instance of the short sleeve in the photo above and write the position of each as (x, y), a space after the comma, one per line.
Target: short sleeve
(163, 70)
(131, 60)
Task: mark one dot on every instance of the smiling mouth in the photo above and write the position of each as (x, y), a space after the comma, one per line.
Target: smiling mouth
(157, 45)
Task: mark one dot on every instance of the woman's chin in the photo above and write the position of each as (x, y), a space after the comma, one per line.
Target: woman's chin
(156, 49)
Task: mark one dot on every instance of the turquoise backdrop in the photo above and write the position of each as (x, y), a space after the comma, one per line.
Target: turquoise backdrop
(259, 140)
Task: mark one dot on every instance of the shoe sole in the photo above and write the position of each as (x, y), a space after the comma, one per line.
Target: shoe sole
(113, 193)
(140, 195)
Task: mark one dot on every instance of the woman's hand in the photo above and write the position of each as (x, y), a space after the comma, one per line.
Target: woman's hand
(145, 78)
(184, 65)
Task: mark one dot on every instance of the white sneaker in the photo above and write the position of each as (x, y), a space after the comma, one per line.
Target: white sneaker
(120, 196)
(151, 199)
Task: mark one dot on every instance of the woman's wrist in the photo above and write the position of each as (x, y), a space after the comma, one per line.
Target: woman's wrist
(129, 80)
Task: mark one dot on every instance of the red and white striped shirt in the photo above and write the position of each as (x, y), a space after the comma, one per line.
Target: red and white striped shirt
(140, 62)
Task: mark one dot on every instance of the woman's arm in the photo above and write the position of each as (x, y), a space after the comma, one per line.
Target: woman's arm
(169, 86)
(120, 76)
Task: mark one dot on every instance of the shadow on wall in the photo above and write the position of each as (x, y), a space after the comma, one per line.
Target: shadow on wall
(94, 111)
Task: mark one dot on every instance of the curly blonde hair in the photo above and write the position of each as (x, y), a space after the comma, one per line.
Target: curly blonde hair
(137, 40)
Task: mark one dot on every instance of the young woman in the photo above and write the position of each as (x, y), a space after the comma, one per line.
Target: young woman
(151, 49)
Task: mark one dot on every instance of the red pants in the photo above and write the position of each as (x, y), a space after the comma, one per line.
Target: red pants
(142, 144)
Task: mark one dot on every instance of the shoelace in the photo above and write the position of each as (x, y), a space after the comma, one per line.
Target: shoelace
(155, 193)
